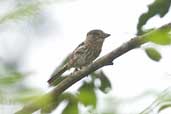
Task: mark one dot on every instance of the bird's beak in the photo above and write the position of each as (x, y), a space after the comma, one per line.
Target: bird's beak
(106, 35)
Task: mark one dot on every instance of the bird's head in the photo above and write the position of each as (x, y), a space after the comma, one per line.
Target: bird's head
(97, 34)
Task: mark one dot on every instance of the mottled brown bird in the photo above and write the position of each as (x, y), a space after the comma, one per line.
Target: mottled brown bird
(84, 54)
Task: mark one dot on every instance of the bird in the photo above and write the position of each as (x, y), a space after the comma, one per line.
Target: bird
(84, 54)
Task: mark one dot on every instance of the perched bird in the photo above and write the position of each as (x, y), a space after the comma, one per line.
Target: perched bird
(84, 54)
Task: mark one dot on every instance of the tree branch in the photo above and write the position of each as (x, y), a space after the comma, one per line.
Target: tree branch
(76, 76)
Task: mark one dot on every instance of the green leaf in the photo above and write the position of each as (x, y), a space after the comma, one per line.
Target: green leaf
(71, 108)
(153, 54)
(161, 36)
(87, 94)
(159, 7)
(105, 85)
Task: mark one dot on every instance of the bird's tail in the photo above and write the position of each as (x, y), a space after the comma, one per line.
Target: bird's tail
(57, 74)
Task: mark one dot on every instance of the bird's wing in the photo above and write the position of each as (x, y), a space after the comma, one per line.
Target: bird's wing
(56, 76)
(77, 54)
(80, 49)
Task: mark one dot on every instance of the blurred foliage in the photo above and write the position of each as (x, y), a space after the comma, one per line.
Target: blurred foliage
(71, 108)
(160, 7)
(12, 87)
(20, 12)
(162, 102)
(11, 79)
(20, 22)
(105, 84)
(23, 9)
(86, 94)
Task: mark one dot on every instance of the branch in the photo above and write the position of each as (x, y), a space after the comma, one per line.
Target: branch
(106, 60)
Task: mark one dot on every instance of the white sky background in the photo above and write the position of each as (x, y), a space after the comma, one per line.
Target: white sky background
(131, 74)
